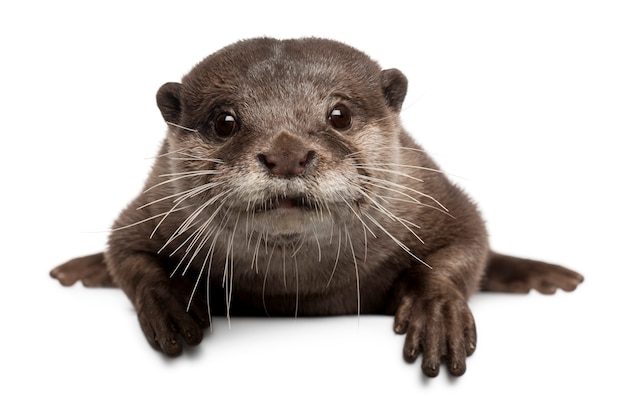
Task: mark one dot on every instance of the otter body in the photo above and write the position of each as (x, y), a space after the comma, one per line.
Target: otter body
(287, 186)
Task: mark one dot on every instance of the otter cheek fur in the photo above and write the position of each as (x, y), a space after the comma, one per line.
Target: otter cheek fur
(287, 186)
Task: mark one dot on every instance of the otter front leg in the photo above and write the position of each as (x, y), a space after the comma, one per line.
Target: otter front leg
(437, 322)
(160, 302)
(432, 310)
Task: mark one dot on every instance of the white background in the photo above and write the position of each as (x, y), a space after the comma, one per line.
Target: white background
(526, 102)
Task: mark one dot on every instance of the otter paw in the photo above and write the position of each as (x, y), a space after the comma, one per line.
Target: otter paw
(164, 320)
(441, 329)
(90, 270)
(510, 274)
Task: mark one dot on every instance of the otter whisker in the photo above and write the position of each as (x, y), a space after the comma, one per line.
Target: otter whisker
(229, 269)
(332, 273)
(198, 191)
(190, 157)
(195, 286)
(254, 264)
(393, 217)
(400, 191)
(394, 239)
(192, 239)
(332, 225)
(364, 242)
(365, 247)
(208, 222)
(167, 154)
(356, 270)
(183, 175)
(209, 258)
(396, 172)
(250, 214)
(189, 238)
(188, 221)
(192, 173)
(208, 297)
(367, 152)
(183, 195)
(148, 219)
(319, 247)
(284, 251)
(185, 155)
(384, 118)
(295, 265)
(181, 127)
(388, 199)
(384, 184)
(195, 158)
(405, 166)
(359, 217)
(201, 236)
(297, 248)
(178, 201)
(267, 269)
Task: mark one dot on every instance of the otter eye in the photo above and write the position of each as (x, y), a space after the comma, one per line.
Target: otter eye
(340, 117)
(225, 125)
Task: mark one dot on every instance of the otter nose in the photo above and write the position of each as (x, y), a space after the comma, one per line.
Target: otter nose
(287, 163)
(287, 157)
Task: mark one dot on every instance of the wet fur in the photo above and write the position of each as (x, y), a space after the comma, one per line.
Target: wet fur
(363, 222)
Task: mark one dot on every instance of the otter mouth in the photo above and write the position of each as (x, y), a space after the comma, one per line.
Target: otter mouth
(299, 202)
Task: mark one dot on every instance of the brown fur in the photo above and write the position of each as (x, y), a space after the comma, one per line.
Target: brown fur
(301, 214)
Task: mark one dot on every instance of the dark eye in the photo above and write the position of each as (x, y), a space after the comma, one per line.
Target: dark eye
(340, 117)
(225, 125)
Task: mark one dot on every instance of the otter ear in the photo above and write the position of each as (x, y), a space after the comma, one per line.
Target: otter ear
(394, 88)
(169, 101)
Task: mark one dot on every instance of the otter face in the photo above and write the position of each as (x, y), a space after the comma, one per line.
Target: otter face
(275, 135)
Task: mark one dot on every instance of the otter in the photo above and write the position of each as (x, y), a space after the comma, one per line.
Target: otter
(287, 186)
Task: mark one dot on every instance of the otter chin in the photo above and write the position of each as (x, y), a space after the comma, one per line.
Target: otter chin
(287, 185)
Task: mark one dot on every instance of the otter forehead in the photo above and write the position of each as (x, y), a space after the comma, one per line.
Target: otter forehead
(268, 70)
(273, 58)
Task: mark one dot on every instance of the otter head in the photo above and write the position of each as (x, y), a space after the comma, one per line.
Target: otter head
(275, 137)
